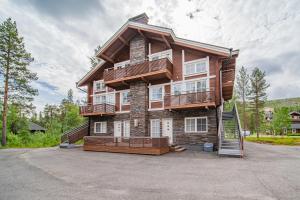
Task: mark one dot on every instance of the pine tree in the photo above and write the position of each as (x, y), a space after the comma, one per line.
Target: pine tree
(14, 60)
(258, 94)
(70, 96)
(242, 90)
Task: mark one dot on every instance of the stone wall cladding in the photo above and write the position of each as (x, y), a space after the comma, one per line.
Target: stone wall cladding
(179, 136)
(138, 50)
(139, 108)
(110, 122)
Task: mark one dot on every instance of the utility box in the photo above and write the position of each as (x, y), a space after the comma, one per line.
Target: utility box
(208, 147)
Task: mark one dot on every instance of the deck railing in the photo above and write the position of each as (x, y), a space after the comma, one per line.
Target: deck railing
(97, 108)
(189, 98)
(137, 69)
(132, 142)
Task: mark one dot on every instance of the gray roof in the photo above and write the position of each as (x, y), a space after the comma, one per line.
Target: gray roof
(296, 126)
(36, 127)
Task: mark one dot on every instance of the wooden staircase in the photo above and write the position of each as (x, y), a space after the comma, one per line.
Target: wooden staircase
(75, 134)
(230, 134)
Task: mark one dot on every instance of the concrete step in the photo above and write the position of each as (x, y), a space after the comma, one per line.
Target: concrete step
(69, 146)
(229, 152)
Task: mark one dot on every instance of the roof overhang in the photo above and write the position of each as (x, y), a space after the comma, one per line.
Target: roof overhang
(165, 33)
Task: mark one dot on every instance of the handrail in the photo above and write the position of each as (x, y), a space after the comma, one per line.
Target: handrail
(241, 137)
(65, 136)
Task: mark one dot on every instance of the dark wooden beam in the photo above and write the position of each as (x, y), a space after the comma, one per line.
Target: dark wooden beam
(141, 33)
(166, 41)
(105, 57)
(125, 83)
(124, 41)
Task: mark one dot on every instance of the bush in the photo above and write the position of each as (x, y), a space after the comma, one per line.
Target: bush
(32, 140)
(275, 140)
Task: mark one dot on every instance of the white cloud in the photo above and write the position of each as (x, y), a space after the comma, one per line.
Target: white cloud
(62, 36)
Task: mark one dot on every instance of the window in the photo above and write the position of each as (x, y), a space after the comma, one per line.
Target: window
(190, 86)
(195, 124)
(99, 99)
(110, 99)
(104, 98)
(125, 98)
(156, 93)
(196, 67)
(126, 127)
(155, 127)
(99, 86)
(100, 127)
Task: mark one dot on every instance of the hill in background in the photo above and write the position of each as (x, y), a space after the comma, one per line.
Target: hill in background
(289, 102)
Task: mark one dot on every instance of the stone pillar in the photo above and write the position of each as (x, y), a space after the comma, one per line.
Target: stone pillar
(139, 109)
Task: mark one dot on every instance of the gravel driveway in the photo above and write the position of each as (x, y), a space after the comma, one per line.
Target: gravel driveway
(267, 172)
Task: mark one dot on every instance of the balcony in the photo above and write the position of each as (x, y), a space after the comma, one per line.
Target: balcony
(190, 100)
(97, 109)
(147, 71)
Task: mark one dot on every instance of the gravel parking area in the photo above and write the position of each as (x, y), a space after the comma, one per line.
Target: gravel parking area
(267, 172)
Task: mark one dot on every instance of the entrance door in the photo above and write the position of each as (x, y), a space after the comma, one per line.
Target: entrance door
(117, 129)
(167, 129)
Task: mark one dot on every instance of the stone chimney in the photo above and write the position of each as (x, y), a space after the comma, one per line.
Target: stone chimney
(142, 18)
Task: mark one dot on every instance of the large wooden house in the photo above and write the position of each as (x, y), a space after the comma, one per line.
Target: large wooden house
(154, 87)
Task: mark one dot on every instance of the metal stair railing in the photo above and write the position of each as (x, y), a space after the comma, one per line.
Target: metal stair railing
(67, 134)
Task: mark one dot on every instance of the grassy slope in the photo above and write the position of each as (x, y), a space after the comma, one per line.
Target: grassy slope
(279, 140)
(283, 102)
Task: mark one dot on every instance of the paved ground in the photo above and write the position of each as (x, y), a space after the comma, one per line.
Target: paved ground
(267, 172)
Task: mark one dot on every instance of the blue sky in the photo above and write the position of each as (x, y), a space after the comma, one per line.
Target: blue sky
(62, 34)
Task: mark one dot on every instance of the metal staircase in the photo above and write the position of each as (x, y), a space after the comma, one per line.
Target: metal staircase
(75, 134)
(230, 134)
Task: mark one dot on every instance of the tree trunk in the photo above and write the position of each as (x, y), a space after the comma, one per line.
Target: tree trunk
(5, 105)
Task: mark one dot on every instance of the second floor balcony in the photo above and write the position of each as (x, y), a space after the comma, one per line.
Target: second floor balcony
(202, 99)
(97, 109)
(149, 70)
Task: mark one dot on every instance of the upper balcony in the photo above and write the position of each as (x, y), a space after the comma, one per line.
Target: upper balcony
(190, 100)
(97, 109)
(158, 66)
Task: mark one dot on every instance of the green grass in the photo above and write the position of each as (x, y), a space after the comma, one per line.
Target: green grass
(275, 140)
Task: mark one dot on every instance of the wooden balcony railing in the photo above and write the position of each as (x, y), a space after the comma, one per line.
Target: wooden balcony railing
(190, 100)
(97, 109)
(147, 68)
(139, 145)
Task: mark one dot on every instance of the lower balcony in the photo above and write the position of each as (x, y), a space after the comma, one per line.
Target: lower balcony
(97, 109)
(147, 71)
(136, 145)
(190, 100)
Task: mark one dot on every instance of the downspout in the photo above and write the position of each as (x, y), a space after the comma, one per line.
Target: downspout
(89, 120)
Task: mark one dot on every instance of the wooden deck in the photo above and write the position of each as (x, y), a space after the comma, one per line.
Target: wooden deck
(134, 145)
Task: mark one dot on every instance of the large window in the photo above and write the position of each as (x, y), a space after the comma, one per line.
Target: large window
(126, 127)
(156, 93)
(104, 98)
(100, 127)
(99, 86)
(125, 98)
(155, 127)
(196, 67)
(195, 124)
(200, 85)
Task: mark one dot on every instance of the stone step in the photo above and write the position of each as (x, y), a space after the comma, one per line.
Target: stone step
(180, 149)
